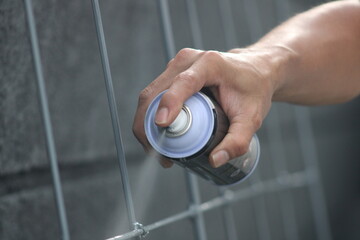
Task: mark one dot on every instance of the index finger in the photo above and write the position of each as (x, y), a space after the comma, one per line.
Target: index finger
(181, 62)
(202, 73)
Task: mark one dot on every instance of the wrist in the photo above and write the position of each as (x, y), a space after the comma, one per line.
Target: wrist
(281, 61)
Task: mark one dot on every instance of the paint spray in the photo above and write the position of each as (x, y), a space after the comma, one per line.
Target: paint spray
(188, 141)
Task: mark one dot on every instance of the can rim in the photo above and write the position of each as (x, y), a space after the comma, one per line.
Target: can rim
(193, 140)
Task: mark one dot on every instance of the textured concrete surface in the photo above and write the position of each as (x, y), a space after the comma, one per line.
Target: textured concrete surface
(74, 79)
(83, 134)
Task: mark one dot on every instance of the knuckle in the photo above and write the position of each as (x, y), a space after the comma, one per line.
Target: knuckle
(145, 94)
(187, 76)
(171, 97)
(213, 56)
(182, 55)
(187, 79)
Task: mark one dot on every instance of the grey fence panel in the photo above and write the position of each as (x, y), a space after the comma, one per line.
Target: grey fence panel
(284, 180)
(50, 143)
(290, 181)
(281, 184)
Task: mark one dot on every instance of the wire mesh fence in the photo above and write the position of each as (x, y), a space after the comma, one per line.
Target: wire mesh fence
(283, 182)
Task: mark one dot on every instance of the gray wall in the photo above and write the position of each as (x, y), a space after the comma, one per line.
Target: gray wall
(84, 140)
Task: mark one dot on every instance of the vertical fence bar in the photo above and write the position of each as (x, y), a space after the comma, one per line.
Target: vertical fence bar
(114, 113)
(194, 197)
(287, 206)
(308, 149)
(227, 20)
(195, 28)
(253, 19)
(256, 29)
(260, 209)
(228, 216)
(231, 41)
(278, 159)
(191, 180)
(50, 143)
(194, 24)
(166, 27)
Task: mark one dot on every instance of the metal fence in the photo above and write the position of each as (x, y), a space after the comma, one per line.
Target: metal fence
(308, 178)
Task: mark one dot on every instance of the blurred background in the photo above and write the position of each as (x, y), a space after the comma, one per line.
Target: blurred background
(82, 127)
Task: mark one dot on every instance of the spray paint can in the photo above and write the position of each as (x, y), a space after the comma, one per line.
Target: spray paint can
(188, 141)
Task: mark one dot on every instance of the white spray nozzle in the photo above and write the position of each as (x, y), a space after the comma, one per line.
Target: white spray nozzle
(181, 124)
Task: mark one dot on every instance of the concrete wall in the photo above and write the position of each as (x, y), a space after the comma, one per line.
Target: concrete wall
(83, 134)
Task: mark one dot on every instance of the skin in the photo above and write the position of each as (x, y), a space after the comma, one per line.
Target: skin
(311, 59)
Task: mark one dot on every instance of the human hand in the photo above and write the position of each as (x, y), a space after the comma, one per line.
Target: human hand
(243, 82)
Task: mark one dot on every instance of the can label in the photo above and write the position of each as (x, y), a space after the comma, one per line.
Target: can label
(188, 141)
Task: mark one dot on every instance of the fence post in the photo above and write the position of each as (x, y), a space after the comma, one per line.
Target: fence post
(191, 180)
(50, 143)
(114, 116)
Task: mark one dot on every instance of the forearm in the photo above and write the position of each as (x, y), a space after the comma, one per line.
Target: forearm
(321, 52)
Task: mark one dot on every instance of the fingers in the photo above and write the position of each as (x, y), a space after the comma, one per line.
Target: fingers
(236, 83)
(186, 84)
(183, 60)
(202, 73)
(235, 143)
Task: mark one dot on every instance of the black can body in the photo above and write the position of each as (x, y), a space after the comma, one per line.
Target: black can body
(206, 125)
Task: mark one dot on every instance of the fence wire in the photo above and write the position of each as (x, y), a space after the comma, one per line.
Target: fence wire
(281, 184)
(45, 114)
(114, 114)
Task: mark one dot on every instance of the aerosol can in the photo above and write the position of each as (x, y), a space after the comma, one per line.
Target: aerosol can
(188, 141)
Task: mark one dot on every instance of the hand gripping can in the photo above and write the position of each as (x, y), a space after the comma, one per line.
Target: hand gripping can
(188, 141)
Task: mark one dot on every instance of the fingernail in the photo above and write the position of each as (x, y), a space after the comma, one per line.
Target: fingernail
(161, 115)
(220, 158)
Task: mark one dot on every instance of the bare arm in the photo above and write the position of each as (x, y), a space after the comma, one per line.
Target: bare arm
(325, 66)
(313, 58)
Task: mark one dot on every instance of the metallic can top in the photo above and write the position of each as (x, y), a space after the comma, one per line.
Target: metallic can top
(189, 142)
(181, 124)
